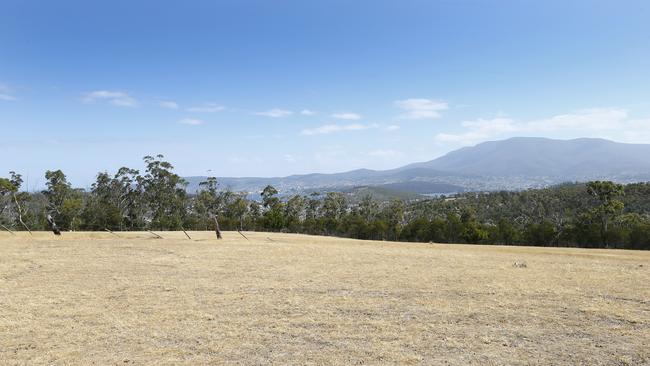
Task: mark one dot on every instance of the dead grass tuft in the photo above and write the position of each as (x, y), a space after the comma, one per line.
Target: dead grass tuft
(520, 264)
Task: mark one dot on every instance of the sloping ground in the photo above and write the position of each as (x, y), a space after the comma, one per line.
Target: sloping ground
(93, 298)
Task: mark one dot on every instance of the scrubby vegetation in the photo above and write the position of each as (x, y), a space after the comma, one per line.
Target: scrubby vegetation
(595, 214)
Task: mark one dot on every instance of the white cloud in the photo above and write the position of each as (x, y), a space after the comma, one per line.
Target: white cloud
(207, 108)
(5, 93)
(191, 121)
(115, 98)
(275, 113)
(590, 119)
(594, 122)
(419, 108)
(289, 158)
(307, 112)
(479, 130)
(392, 128)
(168, 104)
(332, 128)
(637, 131)
(347, 116)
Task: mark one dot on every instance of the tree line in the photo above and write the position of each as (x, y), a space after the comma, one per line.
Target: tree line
(599, 214)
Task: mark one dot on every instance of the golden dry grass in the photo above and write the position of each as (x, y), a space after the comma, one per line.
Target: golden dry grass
(92, 298)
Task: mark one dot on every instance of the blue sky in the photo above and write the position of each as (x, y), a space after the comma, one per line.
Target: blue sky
(270, 88)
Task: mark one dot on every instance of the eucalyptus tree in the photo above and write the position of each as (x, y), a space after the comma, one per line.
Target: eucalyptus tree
(129, 188)
(295, 211)
(313, 207)
(103, 206)
(394, 213)
(65, 204)
(5, 192)
(504, 232)
(7, 189)
(254, 214)
(58, 190)
(269, 196)
(231, 208)
(274, 213)
(607, 193)
(207, 202)
(100, 211)
(334, 205)
(334, 208)
(207, 199)
(238, 208)
(164, 193)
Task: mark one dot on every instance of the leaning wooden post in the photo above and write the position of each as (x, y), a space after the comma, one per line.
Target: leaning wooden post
(186, 234)
(157, 236)
(242, 234)
(6, 228)
(216, 227)
(111, 232)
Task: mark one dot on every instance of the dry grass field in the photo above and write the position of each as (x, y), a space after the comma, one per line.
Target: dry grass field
(93, 298)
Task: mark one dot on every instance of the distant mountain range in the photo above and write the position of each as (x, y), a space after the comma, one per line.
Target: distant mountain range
(512, 164)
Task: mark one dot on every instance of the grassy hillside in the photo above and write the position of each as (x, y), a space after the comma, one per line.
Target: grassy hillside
(93, 298)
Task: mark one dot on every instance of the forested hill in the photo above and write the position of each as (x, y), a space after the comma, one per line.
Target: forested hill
(592, 215)
(597, 214)
(513, 164)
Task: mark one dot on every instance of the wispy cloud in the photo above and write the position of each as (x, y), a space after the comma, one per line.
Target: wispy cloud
(5, 93)
(207, 108)
(275, 113)
(116, 98)
(347, 116)
(581, 123)
(420, 108)
(392, 128)
(191, 121)
(590, 119)
(333, 128)
(479, 130)
(307, 112)
(168, 104)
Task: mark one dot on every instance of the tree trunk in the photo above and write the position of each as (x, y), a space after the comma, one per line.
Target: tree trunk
(605, 228)
(20, 214)
(55, 229)
(216, 228)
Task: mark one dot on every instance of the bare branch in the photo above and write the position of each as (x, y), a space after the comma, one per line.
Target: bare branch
(20, 214)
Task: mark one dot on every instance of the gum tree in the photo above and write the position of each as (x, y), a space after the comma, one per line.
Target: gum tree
(607, 193)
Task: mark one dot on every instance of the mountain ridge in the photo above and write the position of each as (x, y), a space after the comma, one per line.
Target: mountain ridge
(511, 164)
(536, 156)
